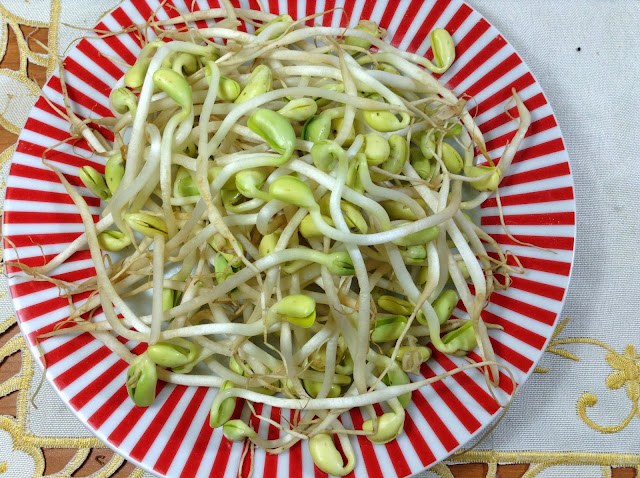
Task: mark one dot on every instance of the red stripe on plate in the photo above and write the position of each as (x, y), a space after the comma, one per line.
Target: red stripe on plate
(537, 313)
(494, 75)
(327, 19)
(177, 435)
(503, 118)
(35, 195)
(310, 9)
(427, 25)
(545, 219)
(318, 473)
(45, 329)
(123, 19)
(38, 261)
(536, 197)
(145, 11)
(416, 438)
(292, 8)
(56, 134)
(25, 288)
(155, 427)
(387, 16)
(520, 333)
(106, 132)
(224, 450)
(398, 460)
(348, 7)
(538, 288)
(509, 355)
(366, 447)
(533, 263)
(271, 461)
(273, 6)
(409, 15)
(123, 429)
(199, 447)
(458, 19)
(54, 356)
(548, 242)
(100, 59)
(455, 405)
(295, 454)
(80, 98)
(72, 66)
(36, 310)
(246, 465)
(439, 428)
(116, 45)
(54, 156)
(23, 171)
(547, 172)
(367, 10)
(542, 149)
(504, 381)
(504, 94)
(24, 217)
(493, 47)
(110, 405)
(51, 108)
(538, 126)
(99, 383)
(480, 395)
(172, 12)
(40, 239)
(253, 4)
(471, 37)
(54, 109)
(76, 371)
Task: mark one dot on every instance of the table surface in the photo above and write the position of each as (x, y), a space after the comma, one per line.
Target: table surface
(57, 458)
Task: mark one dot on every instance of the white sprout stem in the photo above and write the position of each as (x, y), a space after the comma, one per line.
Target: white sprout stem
(347, 402)
(362, 329)
(314, 343)
(134, 152)
(102, 225)
(166, 148)
(330, 366)
(103, 279)
(143, 181)
(158, 282)
(508, 154)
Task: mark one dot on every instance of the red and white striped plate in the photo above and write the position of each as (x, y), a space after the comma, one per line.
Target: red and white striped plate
(173, 437)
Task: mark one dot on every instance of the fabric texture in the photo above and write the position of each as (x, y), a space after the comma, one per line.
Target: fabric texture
(578, 414)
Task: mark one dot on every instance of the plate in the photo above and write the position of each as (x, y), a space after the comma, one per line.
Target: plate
(173, 437)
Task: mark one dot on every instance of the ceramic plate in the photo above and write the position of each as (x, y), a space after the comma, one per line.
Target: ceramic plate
(173, 437)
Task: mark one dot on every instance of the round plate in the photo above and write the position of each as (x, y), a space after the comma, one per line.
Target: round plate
(173, 437)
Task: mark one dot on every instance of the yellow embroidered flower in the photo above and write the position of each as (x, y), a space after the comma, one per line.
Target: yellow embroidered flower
(627, 372)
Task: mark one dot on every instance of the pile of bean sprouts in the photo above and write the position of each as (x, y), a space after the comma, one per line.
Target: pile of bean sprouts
(289, 206)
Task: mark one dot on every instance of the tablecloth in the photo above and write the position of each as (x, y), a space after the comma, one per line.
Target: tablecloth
(578, 415)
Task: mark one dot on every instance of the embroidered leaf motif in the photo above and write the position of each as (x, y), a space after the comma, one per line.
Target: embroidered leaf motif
(616, 361)
(633, 391)
(615, 380)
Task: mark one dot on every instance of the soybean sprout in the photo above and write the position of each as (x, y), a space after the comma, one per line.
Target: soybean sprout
(287, 204)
